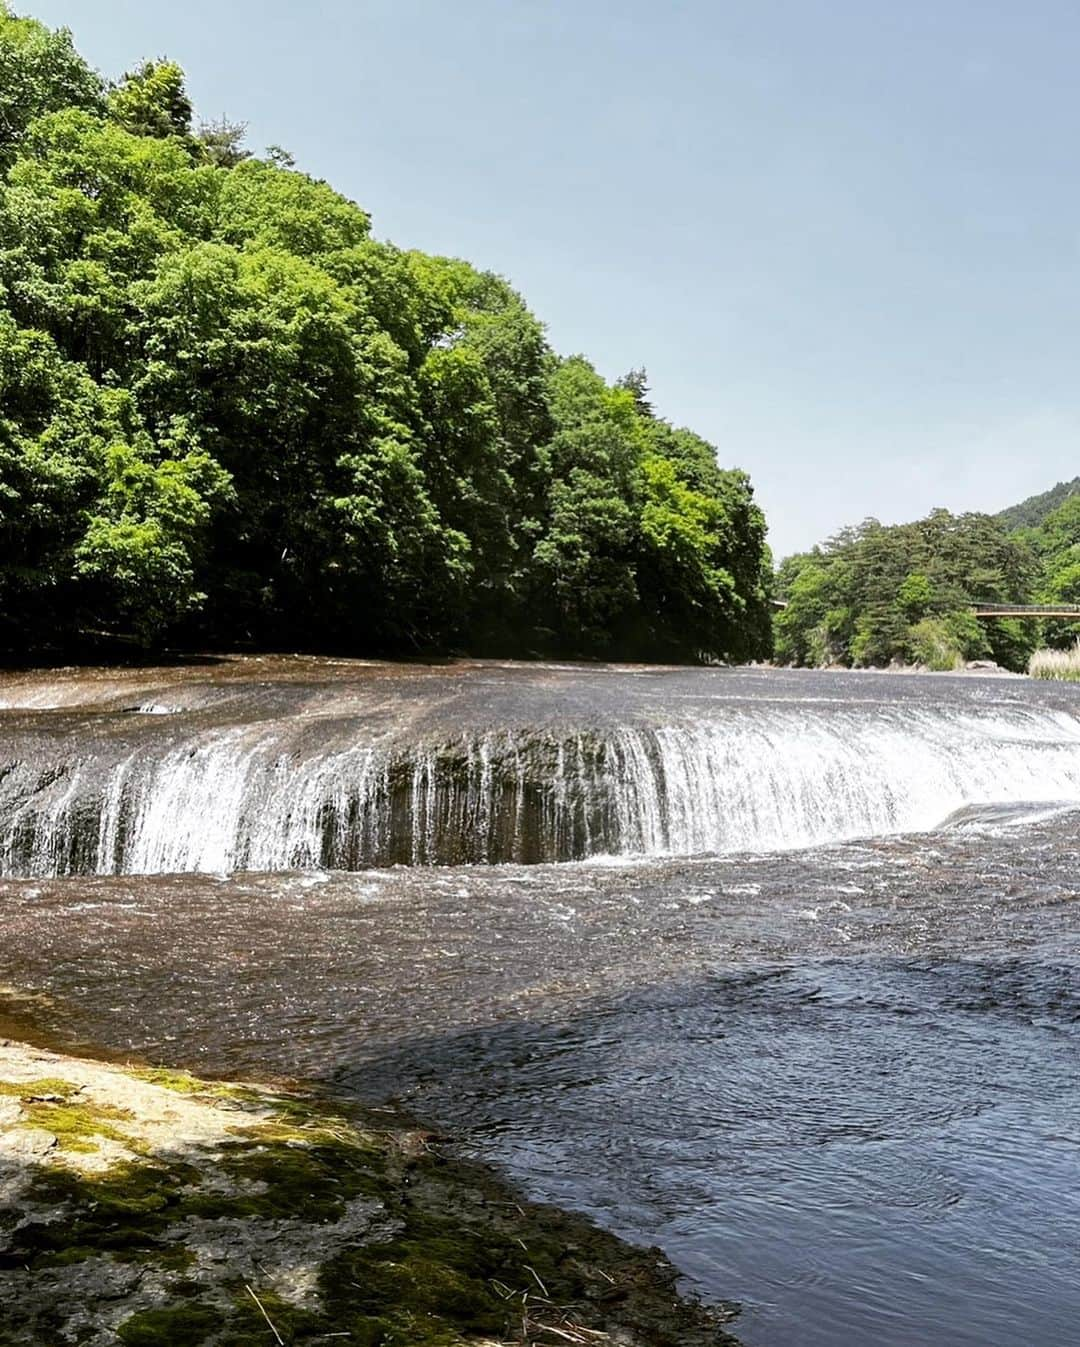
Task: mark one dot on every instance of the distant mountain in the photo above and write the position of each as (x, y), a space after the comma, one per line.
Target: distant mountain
(1030, 513)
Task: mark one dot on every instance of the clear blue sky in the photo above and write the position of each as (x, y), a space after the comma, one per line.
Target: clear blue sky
(842, 235)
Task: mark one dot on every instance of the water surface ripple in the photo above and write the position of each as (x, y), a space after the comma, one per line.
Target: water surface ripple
(840, 1084)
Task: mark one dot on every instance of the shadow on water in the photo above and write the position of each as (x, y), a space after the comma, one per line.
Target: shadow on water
(860, 1149)
(840, 1084)
(890, 1146)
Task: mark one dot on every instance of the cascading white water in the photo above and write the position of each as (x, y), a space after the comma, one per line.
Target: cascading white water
(790, 779)
(272, 795)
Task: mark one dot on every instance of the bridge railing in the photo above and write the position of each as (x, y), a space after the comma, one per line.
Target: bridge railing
(1035, 609)
(1017, 609)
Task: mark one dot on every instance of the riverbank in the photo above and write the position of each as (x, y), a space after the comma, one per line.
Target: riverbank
(151, 1208)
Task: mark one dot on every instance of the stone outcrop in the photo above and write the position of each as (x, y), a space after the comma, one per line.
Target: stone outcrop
(147, 1207)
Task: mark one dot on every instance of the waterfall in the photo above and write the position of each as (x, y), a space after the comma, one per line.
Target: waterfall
(280, 794)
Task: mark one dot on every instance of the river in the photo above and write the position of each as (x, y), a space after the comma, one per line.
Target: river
(775, 970)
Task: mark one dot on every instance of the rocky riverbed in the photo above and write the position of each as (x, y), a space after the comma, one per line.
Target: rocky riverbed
(148, 1207)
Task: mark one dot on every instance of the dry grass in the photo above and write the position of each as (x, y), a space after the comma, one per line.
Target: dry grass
(1063, 665)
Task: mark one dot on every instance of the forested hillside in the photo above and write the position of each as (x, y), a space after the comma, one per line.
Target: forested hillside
(876, 594)
(1032, 512)
(229, 414)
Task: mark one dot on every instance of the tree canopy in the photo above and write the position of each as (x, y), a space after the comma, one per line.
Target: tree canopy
(1032, 512)
(878, 594)
(1056, 546)
(228, 414)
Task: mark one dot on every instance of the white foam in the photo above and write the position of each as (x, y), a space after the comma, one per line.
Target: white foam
(263, 797)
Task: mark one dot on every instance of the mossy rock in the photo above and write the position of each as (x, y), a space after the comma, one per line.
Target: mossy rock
(176, 1326)
(48, 1088)
(123, 1212)
(78, 1126)
(456, 1257)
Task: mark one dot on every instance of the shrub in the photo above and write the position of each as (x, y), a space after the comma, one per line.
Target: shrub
(935, 645)
(1063, 665)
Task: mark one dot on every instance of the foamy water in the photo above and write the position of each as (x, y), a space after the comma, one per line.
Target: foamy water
(346, 775)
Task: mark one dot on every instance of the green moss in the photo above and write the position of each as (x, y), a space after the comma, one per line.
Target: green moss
(181, 1082)
(78, 1126)
(404, 1327)
(456, 1270)
(288, 1178)
(176, 1326)
(246, 1324)
(48, 1087)
(124, 1212)
(303, 1108)
(75, 1253)
(437, 1283)
(428, 1288)
(172, 1257)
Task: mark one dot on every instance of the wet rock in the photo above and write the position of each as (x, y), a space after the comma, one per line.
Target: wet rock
(160, 1208)
(19, 1146)
(987, 666)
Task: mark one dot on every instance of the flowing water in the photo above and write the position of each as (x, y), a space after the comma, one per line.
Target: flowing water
(775, 970)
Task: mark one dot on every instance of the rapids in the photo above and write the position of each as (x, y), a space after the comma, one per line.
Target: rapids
(799, 1003)
(315, 764)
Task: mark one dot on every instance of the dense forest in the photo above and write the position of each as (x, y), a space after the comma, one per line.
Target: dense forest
(876, 594)
(1032, 512)
(230, 415)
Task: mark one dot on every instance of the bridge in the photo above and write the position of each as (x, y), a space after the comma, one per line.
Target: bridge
(979, 609)
(1027, 610)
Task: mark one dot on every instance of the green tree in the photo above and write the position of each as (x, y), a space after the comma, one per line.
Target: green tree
(584, 583)
(40, 71)
(153, 101)
(874, 595)
(222, 142)
(915, 596)
(100, 524)
(227, 413)
(636, 383)
(1057, 544)
(146, 533)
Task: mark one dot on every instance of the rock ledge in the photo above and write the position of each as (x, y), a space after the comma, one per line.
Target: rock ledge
(148, 1207)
